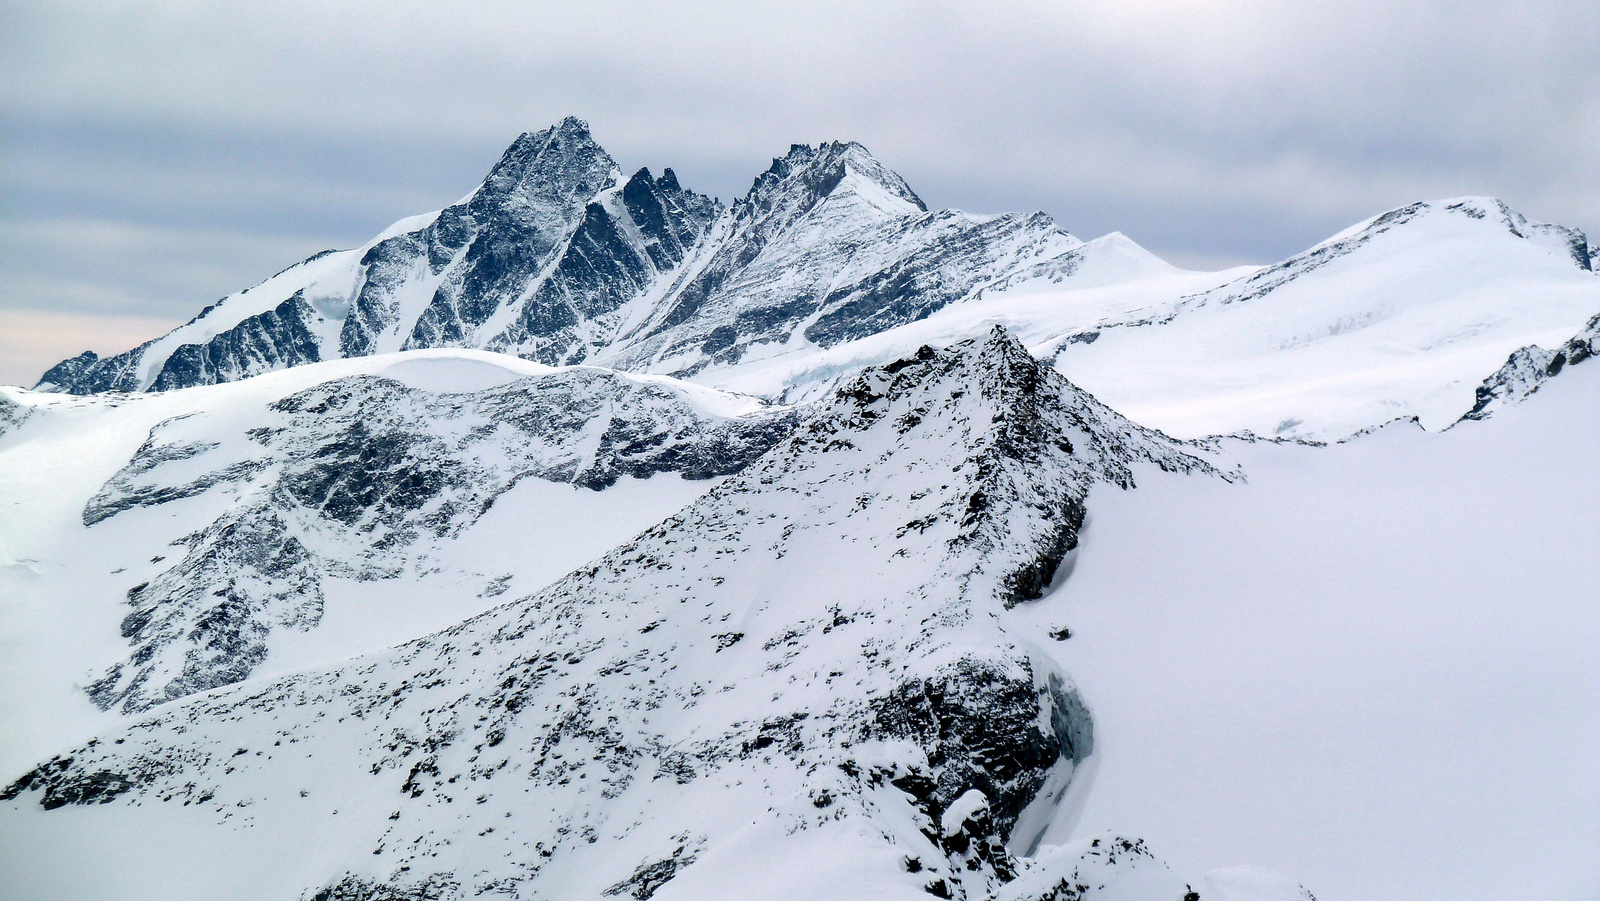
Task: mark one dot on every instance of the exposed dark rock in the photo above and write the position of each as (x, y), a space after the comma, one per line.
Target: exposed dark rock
(12, 414)
(435, 887)
(1529, 367)
(377, 467)
(651, 876)
(980, 726)
(276, 339)
(600, 695)
(68, 372)
(545, 258)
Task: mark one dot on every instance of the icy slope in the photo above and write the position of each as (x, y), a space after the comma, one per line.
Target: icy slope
(160, 545)
(1371, 666)
(557, 258)
(802, 685)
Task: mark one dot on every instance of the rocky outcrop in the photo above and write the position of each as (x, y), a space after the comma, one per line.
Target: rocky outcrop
(12, 414)
(828, 245)
(277, 339)
(89, 373)
(1529, 367)
(359, 478)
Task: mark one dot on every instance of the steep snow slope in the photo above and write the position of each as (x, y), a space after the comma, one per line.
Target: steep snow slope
(800, 686)
(1371, 666)
(159, 545)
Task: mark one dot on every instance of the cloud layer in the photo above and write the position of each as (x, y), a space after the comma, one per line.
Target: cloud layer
(160, 155)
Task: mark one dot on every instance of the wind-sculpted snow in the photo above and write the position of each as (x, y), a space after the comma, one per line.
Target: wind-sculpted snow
(367, 478)
(801, 684)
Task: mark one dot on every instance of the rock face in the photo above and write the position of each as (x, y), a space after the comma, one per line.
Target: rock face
(1529, 367)
(828, 246)
(277, 339)
(12, 414)
(557, 258)
(551, 242)
(369, 479)
(813, 655)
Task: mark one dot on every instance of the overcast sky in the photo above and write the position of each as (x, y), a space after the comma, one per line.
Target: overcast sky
(157, 156)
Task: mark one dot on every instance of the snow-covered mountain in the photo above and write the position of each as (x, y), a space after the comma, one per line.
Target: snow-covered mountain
(553, 238)
(805, 671)
(588, 539)
(824, 677)
(1400, 316)
(210, 535)
(557, 258)
(831, 263)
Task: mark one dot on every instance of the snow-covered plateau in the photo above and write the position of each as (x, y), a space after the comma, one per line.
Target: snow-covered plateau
(592, 539)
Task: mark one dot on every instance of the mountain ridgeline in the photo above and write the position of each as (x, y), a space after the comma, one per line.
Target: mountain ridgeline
(709, 694)
(558, 258)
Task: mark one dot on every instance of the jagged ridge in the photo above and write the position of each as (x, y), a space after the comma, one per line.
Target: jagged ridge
(811, 647)
(1529, 367)
(556, 258)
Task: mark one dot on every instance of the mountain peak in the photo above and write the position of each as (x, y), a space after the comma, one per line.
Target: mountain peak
(569, 128)
(561, 160)
(647, 686)
(1450, 214)
(820, 171)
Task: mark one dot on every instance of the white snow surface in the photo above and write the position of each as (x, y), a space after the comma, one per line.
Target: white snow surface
(1371, 666)
(741, 693)
(831, 263)
(1365, 670)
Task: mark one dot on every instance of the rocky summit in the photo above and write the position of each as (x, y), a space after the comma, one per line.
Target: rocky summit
(559, 258)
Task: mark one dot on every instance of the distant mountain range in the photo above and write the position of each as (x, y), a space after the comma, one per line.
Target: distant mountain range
(831, 262)
(558, 258)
